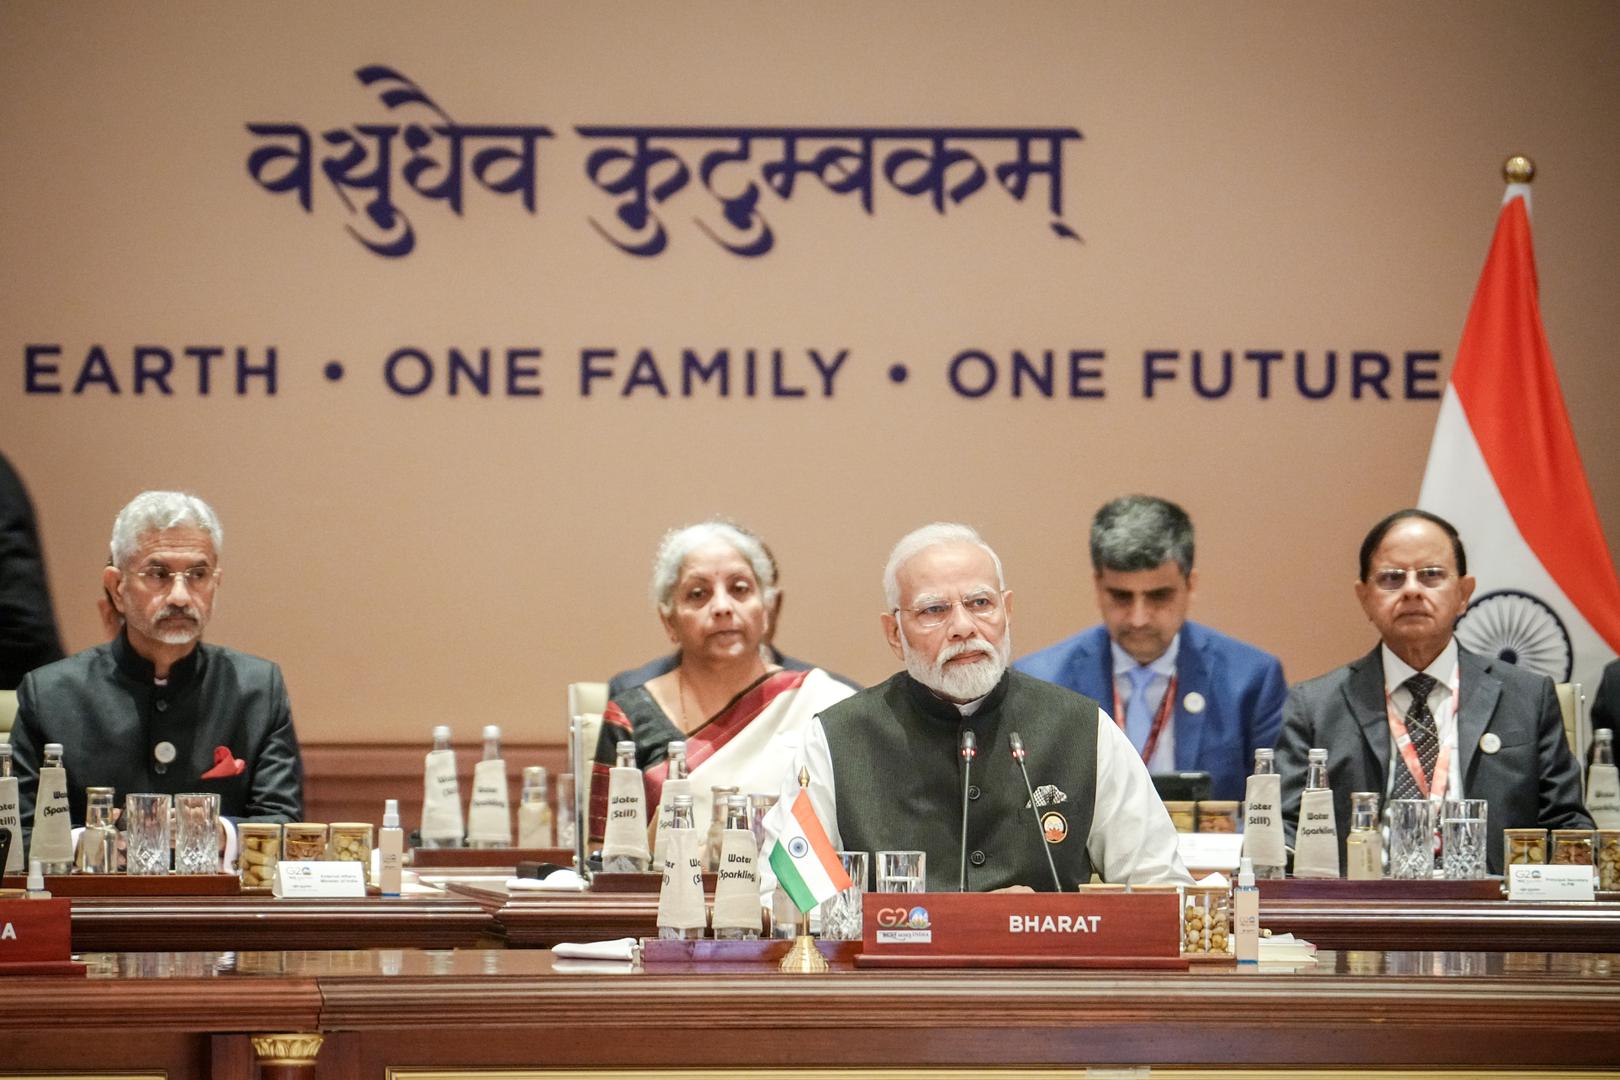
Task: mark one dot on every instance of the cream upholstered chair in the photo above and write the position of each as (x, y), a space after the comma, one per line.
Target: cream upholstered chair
(586, 703)
(8, 710)
(1577, 727)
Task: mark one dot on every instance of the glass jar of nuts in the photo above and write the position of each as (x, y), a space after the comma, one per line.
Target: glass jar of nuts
(351, 842)
(261, 850)
(1183, 815)
(1206, 920)
(1608, 859)
(1571, 847)
(1215, 815)
(1524, 846)
(303, 841)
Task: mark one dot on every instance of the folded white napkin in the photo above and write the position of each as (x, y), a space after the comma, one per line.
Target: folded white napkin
(556, 881)
(593, 967)
(617, 949)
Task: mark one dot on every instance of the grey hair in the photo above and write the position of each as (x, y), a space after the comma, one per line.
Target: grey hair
(154, 511)
(1141, 532)
(920, 540)
(679, 543)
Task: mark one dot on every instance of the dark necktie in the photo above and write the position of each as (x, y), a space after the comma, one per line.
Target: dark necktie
(1425, 738)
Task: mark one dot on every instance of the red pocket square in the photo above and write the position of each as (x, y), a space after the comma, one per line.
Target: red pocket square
(225, 765)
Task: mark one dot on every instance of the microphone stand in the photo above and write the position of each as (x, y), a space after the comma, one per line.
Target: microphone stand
(1017, 745)
(970, 750)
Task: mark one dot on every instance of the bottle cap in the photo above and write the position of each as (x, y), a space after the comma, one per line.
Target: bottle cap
(1245, 873)
(53, 748)
(36, 876)
(677, 746)
(391, 814)
(441, 731)
(492, 731)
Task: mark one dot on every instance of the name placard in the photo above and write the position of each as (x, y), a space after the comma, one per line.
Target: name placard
(319, 879)
(1537, 882)
(1021, 930)
(36, 938)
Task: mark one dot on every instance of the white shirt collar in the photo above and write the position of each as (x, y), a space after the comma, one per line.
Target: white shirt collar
(1165, 665)
(1397, 671)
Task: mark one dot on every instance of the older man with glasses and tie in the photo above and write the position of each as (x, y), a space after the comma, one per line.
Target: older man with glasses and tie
(155, 709)
(1419, 717)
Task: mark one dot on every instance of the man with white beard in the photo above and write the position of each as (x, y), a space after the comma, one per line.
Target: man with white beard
(885, 765)
(155, 709)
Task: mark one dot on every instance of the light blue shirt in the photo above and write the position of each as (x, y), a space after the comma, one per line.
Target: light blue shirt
(1164, 669)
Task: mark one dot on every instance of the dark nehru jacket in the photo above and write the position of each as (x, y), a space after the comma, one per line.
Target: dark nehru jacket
(103, 706)
(898, 781)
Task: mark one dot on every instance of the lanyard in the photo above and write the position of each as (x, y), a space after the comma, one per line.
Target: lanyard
(1160, 718)
(1432, 788)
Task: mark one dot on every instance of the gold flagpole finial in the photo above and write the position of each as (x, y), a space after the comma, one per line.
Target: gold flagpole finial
(804, 777)
(1518, 169)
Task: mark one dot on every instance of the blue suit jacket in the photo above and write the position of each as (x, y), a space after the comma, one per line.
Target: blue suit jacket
(1242, 687)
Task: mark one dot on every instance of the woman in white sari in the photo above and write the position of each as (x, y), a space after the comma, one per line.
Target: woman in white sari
(740, 715)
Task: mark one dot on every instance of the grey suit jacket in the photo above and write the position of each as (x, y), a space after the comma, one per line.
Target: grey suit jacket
(1531, 779)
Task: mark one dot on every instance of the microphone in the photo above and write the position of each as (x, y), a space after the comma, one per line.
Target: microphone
(1018, 755)
(969, 751)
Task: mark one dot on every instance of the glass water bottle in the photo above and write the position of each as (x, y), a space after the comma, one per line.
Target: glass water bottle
(680, 821)
(1316, 770)
(1265, 764)
(1364, 846)
(98, 843)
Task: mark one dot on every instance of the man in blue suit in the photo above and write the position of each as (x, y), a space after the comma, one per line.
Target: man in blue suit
(1189, 698)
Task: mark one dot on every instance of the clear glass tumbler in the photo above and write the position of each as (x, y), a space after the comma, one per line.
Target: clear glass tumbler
(196, 833)
(146, 833)
(841, 915)
(1411, 839)
(902, 872)
(1462, 839)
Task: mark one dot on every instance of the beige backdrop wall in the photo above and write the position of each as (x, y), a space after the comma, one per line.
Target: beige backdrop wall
(1251, 176)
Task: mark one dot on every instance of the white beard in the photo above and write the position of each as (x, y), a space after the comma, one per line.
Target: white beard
(177, 635)
(960, 682)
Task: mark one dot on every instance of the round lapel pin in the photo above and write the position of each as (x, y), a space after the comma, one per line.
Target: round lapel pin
(1193, 702)
(1490, 742)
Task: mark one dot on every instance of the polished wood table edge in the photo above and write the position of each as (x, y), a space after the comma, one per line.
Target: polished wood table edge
(264, 922)
(1467, 924)
(671, 1000)
(207, 1005)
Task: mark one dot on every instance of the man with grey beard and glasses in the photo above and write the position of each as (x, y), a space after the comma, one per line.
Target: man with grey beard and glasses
(886, 769)
(155, 709)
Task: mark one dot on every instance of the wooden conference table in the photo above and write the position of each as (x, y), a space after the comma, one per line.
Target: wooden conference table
(444, 986)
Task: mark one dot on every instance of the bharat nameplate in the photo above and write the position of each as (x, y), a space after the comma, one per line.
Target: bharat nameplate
(1021, 930)
(36, 938)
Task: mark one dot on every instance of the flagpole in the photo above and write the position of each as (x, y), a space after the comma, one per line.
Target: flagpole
(804, 958)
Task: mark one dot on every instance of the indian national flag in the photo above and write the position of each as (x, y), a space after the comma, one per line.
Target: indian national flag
(805, 864)
(1505, 470)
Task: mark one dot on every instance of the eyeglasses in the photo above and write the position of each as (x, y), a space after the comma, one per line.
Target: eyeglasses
(983, 606)
(1393, 579)
(161, 579)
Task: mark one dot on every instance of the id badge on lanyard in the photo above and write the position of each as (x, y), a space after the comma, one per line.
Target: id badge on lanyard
(1160, 718)
(1433, 788)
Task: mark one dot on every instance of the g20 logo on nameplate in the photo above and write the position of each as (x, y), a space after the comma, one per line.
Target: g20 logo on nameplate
(903, 925)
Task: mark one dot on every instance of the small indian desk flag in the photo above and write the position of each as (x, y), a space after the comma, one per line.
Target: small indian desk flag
(805, 864)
